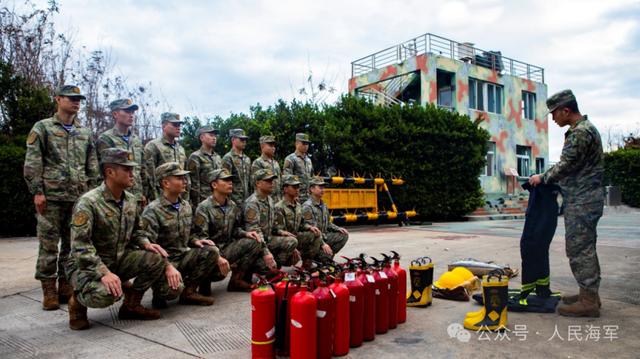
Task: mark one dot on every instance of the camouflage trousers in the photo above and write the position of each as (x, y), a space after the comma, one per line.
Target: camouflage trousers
(336, 241)
(53, 230)
(281, 248)
(194, 265)
(580, 223)
(146, 267)
(241, 253)
(309, 245)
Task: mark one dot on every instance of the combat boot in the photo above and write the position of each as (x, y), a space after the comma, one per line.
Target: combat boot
(65, 291)
(570, 299)
(132, 309)
(191, 297)
(421, 275)
(49, 295)
(205, 287)
(77, 314)
(586, 306)
(237, 283)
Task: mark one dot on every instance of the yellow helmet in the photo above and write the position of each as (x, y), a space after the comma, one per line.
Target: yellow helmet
(449, 280)
(463, 272)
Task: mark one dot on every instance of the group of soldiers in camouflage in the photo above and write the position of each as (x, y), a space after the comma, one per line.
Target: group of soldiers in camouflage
(161, 220)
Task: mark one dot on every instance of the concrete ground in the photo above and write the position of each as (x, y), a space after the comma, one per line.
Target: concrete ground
(223, 330)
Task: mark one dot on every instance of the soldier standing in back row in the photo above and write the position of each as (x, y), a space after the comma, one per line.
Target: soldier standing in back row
(239, 165)
(267, 162)
(201, 163)
(60, 165)
(121, 136)
(163, 150)
(299, 164)
(580, 176)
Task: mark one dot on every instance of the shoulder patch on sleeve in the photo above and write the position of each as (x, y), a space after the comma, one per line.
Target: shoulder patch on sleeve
(199, 220)
(193, 166)
(307, 215)
(251, 214)
(33, 136)
(80, 218)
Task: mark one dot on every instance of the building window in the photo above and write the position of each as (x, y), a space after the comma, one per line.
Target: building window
(539, 165)
(529, 105)
(446, 89)
(485, 96)
(490, 169)
(523, 156)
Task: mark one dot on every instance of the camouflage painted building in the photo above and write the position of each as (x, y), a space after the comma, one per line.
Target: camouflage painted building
(508, 97)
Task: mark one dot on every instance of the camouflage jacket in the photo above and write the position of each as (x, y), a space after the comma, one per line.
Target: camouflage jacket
(221, 223)
(272, 165)
(289, 217)
(157, 152)
(59, 164)
(240, 167)
(316, 213)
(581, 168)
(112, 138)
(200, 163)
(301, 166)
(101, 230)
(161, 223)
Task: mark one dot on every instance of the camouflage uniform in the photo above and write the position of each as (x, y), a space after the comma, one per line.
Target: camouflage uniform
(160, 151)
(102, 242)
(289, 218)
(240, 167)
(580, 175)
(263, 163)
(169, 227)
(62, 165)
(315, 213)
(200, 163)
(300, 165)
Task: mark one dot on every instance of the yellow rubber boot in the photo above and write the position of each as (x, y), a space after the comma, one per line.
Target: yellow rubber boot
(493, 315)
(421, 273)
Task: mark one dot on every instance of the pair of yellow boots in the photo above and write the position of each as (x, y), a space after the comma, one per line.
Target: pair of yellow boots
(495, 296)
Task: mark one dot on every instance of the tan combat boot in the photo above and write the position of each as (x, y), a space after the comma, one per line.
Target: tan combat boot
(570, 299)
(49, 295)
(132, 309)
(77, 314)
(205, 287)
(65, 291)
(586, 306)
(237, 283)
(190, 296)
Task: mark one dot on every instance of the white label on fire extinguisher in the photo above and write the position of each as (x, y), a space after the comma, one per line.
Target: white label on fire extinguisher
(352, 298)
(321, 313)
(332, 293)
(270, 333)
(296, 323)
(253, 309)
(370, 278)
(383, 274)
(348, 277)
(377, 291)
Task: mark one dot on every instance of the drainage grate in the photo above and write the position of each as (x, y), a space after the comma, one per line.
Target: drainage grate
(14, 347)
(206, 340)
(113, 310)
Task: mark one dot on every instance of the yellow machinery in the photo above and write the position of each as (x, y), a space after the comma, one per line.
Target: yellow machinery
(353, 204)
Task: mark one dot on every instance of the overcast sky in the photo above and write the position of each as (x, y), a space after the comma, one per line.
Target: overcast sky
(215, 57)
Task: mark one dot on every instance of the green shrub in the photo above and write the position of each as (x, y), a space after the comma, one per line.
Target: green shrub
(622, 168)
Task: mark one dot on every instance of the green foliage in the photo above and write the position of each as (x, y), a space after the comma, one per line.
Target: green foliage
(622, 168)
(17, 214)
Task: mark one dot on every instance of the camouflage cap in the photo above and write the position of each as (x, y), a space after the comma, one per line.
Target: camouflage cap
(561, 98)
(238, 133)
(221, 173)
(122, 104)
(302, 137)
(291, 180)
(267, 139)
(207, 129)
(264, 175)
(69, 91)
(169, 169)
(117, 156)
(317, 181)
(170, 117)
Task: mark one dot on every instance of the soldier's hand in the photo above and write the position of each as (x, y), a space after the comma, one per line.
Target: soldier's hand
(41, 203)
(153, 247)
(315, 230)
(286, 234)
(295, 257)
(343, 230)
(223, 265)
(535, 180)
(327, 249)
(270, 261)
(173, 276)
(254, 235)
(144, 201)
(203, 242)
(112, 283)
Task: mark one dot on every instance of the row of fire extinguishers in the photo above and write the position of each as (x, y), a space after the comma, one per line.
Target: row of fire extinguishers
(323, 313)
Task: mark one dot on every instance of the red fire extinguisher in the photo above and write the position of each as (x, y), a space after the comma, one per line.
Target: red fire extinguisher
(369, 321)
(263, 321)
(382, 298)
(303, 325)
(356, 305)
(285, 290)
(402, 288)
(325, 314)
(340, 293)
(393, 291)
